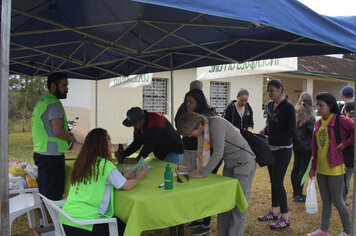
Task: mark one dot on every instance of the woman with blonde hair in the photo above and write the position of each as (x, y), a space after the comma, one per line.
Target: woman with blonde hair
(302, 143)
(219, 135)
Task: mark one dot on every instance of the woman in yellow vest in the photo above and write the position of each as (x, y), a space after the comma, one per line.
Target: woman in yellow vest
(328, 161)
(93, 178)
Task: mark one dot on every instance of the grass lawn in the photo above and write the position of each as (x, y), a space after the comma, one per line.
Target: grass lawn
(20, 149)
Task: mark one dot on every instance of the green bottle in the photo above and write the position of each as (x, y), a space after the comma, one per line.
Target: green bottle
(168, 178)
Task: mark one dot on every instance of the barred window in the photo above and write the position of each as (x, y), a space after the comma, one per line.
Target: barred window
(154, 96)
(219, 95)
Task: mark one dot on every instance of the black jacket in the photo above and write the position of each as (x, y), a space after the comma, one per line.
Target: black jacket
(233, 116)
(302, 139)
(157, 136)
(281, 124)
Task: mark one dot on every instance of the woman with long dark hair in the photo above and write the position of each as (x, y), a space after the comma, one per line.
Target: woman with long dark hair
(279, 132)
(302, 143)
(195, 101)
(328, 161)
(92, 181)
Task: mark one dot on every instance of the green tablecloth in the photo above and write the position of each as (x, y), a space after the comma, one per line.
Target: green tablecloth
(148, 207)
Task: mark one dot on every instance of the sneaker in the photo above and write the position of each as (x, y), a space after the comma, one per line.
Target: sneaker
(299, 198)
(280, 224)
(201, 230)
(195, 224)
(269, 216)
(318, 233)
(344, 234)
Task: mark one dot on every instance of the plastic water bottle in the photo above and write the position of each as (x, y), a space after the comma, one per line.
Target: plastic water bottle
(168, 177)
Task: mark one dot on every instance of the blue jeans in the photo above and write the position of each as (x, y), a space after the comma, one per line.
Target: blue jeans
(175, 158)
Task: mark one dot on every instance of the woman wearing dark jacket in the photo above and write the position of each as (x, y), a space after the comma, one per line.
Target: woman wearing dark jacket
(279, 133)
(239, 112)
(302, 143)
(195, 101)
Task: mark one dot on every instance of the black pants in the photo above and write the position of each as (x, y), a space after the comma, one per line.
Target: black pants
(51, 175)
(206, 220)
(98, 230)
(301, 161)
(277, 171)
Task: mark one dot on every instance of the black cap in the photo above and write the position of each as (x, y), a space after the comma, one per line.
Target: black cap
(134, 115)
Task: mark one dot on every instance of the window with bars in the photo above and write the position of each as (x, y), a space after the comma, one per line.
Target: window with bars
(219, 95)
(155, 96)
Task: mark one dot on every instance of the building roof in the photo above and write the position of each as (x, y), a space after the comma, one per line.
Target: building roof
(327, 65)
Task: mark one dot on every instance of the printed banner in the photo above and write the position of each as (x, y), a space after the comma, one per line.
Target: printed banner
(131, 81)
(247, 68)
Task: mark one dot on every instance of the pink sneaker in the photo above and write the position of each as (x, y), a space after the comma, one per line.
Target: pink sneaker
(344, 234)
(318, 233)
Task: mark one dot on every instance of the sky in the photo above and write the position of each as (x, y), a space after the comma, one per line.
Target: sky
(332, 7)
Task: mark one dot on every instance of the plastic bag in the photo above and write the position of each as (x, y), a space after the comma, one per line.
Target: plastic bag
(31, 171)
(311, 203)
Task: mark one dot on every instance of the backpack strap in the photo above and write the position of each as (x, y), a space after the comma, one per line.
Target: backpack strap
(254, 156)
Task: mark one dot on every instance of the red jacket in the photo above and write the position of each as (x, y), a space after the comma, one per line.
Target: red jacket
(335, 157)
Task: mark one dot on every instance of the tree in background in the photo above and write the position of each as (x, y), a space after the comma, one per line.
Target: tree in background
(24, 92)
(351, 56)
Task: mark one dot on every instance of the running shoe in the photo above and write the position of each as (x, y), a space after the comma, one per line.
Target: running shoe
(318, 233)
(195, 224)
(269, 216)
(280, 224)
(344, 234)
(201, 230)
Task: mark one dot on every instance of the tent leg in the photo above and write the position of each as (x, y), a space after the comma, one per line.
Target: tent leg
(354, 174)
(4, 113)
(96, 103)
(172, 92)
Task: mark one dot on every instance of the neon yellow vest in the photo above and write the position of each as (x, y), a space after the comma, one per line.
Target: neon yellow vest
(84, 200)
(39, 134)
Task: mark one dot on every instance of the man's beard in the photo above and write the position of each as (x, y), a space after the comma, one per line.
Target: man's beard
(60, 95)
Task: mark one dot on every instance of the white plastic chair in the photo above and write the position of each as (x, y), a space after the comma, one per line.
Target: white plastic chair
(26, 201)
(55, 211)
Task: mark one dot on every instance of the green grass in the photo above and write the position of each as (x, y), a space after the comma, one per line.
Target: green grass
(20, 149)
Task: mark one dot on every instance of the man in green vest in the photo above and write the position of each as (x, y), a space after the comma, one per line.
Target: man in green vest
(50, 137)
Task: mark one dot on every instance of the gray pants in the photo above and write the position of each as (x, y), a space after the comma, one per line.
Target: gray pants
(232, 223)
(331, 191)
(349, 172)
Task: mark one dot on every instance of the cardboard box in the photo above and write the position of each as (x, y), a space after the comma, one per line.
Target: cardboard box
(45, 231)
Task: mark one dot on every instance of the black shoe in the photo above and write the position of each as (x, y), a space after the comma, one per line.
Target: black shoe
(194, 224)
(299, 198)
(201, 231)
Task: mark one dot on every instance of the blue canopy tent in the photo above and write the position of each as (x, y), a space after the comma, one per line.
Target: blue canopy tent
(95, 40)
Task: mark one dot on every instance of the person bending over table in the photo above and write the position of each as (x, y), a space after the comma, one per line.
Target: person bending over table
(154, 133)
(92, 181)
(227, 143)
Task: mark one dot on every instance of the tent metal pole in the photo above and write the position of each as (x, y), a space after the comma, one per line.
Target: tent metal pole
(71, 29)
(32, 32)
(4, 113)
(354, 172)
(172, 91)
(96, 103)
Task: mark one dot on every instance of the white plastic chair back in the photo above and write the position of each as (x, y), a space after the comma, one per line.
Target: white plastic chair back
(25, 202)
(55, 211)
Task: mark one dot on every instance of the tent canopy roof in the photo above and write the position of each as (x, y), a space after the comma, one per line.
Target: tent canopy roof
(92, 39)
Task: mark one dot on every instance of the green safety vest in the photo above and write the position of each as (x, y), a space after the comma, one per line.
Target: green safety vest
(39, 134)
(84, 200)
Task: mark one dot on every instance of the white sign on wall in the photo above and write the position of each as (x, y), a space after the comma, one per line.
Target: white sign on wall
(131, 81)
(247, 68)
